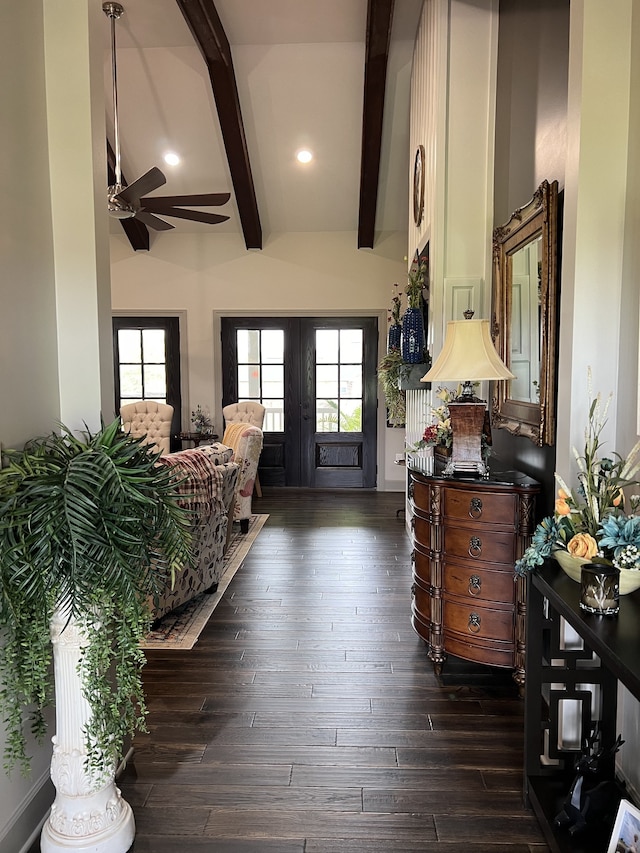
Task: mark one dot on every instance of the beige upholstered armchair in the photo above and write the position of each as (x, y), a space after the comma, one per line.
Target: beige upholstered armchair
(149, 420)
(246, 442)
(246, 412)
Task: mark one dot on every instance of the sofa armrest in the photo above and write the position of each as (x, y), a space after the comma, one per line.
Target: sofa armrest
(219, 453)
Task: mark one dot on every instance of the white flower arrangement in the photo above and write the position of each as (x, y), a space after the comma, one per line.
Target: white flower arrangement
(201, 420)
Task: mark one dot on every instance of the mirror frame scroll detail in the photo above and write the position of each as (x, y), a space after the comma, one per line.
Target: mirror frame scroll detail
(538, 218)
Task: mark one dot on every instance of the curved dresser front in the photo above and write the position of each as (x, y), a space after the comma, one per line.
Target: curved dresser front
(467, 535)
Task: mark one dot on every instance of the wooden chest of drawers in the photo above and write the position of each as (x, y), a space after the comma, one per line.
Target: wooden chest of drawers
(467, 535)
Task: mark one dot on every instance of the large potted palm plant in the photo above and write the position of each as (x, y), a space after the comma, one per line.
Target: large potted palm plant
(90, 528)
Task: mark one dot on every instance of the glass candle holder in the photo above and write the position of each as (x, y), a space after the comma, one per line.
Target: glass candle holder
(600, 589)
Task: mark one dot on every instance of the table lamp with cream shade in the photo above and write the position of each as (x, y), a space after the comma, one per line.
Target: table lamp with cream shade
(468, 355)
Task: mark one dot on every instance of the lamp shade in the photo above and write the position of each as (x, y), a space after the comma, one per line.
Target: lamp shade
(468, 355)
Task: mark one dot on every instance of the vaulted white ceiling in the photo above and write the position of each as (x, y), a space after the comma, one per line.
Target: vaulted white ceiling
(299, 69)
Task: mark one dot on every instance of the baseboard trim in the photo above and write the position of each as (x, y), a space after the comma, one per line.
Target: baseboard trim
(392, 486)
(28, 823)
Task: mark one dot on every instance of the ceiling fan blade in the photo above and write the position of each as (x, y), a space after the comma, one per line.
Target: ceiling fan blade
(153, 221)
(200, 200)
(193, 215)
(150, 181)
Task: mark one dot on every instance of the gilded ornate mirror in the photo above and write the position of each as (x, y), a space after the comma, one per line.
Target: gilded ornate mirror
(524, 317)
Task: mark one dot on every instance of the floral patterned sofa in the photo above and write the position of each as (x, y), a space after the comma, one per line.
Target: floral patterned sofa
(208, 480)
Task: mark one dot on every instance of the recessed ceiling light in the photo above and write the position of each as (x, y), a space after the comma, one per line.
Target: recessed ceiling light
(304, 156)
(171, 159)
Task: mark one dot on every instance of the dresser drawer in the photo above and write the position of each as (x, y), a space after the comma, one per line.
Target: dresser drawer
(422, 565)
(478, 623)
(421, 612)
(490, 652)
(420, 494)
(482, 584)
(480, 544)
(471, 504)
(422, 531)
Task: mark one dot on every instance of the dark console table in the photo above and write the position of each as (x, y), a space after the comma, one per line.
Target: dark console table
(606, 652)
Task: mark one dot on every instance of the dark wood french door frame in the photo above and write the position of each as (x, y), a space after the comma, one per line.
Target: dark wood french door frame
(296, 465)
(171, 326)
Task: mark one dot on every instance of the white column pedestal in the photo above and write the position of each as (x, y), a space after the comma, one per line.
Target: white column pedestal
(89, 814)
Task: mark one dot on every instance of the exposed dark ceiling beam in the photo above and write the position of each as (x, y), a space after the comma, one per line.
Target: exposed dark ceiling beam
(136, 231)
(206, 27)
(379, 18)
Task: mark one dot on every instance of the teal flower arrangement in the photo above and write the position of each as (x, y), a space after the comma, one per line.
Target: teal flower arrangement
(590, 522)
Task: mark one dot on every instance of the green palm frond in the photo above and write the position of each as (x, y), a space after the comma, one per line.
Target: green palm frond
(90, 520)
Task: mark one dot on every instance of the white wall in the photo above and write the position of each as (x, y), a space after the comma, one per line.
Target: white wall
(195, 275)
(28, 374)
(28, 362)
(452, 116)
(452, 112)
(39, 316)
(601, 265)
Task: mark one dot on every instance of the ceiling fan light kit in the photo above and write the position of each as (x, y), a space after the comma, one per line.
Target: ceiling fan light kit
(127, 202)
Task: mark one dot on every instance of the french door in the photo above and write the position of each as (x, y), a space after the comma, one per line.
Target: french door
(316, 377)
(146, 356)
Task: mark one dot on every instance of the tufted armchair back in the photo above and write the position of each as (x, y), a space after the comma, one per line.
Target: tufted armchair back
(246, 412)
(151, 420)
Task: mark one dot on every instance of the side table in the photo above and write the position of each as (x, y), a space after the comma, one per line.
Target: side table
(197, 438)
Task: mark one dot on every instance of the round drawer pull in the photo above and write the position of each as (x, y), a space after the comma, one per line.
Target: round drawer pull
(475, 584)
(475, 507)
(475, 546)
(474, 623)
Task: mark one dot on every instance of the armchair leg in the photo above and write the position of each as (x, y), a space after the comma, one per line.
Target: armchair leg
(244, 525)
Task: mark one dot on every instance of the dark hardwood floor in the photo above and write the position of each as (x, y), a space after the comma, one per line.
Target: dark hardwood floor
(307, 718)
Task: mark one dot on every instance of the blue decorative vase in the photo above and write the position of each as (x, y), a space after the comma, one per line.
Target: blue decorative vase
(412, 336)
(395, 331)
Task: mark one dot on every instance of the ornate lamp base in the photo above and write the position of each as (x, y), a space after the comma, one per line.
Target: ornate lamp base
(467, 422)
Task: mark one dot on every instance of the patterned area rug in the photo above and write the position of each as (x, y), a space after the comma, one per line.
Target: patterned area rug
(181, 628)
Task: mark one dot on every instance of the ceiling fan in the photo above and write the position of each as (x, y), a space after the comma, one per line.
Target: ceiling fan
(126, 202)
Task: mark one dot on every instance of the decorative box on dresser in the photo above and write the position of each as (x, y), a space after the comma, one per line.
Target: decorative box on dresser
(467, 534)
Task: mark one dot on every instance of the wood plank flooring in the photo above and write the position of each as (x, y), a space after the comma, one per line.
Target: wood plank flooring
(307, 718)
